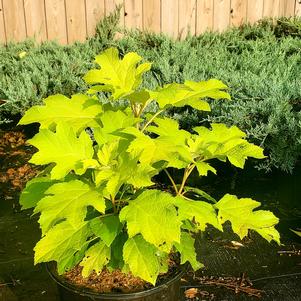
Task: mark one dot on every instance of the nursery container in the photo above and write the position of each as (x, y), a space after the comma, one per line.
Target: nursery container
(168, 291)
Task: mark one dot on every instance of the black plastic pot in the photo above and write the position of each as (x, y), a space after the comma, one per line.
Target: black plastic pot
(169, 291)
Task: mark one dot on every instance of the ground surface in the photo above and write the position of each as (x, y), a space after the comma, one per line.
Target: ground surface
(274, 270)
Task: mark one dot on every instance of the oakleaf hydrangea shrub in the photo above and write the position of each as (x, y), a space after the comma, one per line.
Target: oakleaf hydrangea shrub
(97, 201)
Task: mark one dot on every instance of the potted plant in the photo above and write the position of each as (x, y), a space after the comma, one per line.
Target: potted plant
(101, 210)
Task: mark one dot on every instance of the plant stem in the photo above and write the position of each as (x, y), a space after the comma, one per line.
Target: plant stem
(187, 173)
(172, 181)
(113, 203)
(151, 120)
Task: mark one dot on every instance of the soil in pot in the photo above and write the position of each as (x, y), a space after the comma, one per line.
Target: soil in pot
(117, 285)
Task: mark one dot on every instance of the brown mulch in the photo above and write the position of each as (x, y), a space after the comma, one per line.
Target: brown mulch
(15, 170)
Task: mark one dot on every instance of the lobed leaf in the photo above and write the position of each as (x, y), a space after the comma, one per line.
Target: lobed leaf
(242, 217)
(153, 215)
(96, 257)
(80, 112)
(141, 257)
(68, 201)
(119, 76)
(65, 149)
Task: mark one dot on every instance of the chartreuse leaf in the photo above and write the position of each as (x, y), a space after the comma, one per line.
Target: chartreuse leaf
(169, 146)
(80, 112)
(68, 200)
(112, 123)
(61, 242)
(123, 169)
(142, 259)
(96, 257)
(34, 191)
(242, 217)
(119, 76)
(106, 227)
(190, 93)
(201, 212)
(63, 148)
(187, 251)
(153, 214)
(222, 142)
(204, 167)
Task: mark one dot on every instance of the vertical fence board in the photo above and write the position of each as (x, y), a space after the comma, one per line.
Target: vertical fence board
(56, 20)
(204, 16)
(95, 10)
(221, 17)
(133, 15)
(187, 15)
(15, 25)
(298, 8)
(254, 10)
(286, 8)
(238, 12)
(76, 20)
(152, 15)
(170, 17)
(271, 8)
(35, 19)
(110, 7)
(2, 28)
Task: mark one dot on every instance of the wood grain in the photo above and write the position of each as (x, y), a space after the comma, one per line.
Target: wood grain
(238, 11)
(14, 18)
(170, 17)
(133, 14)
(76, 20)
(254, 10)
(298, 8)
(35, 19)
(271, 8)
(152, 15)
(95, 11)
(204, 16)
(2, 26)
(187, 17)
(221, 19)
(56, 20)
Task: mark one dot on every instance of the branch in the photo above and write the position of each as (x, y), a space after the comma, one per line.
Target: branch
(172, 181)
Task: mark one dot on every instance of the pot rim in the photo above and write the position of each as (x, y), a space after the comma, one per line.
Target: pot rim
(118, 296)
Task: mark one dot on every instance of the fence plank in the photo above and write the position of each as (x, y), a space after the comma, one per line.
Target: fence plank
(110, 6)
(221, 17)
(35, 19)
(170, 17)
(204, 16)
(271, 8)
(95, 11)
(286, 8)
(2, 28)
(15, 25)
(76, 20)
(56, 20)
(133, 16)
(254, 10)
(152, 15)
(298, 8)
(238, 12)
(187, 15)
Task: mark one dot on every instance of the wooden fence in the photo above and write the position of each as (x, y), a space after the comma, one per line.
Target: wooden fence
(72, 20)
